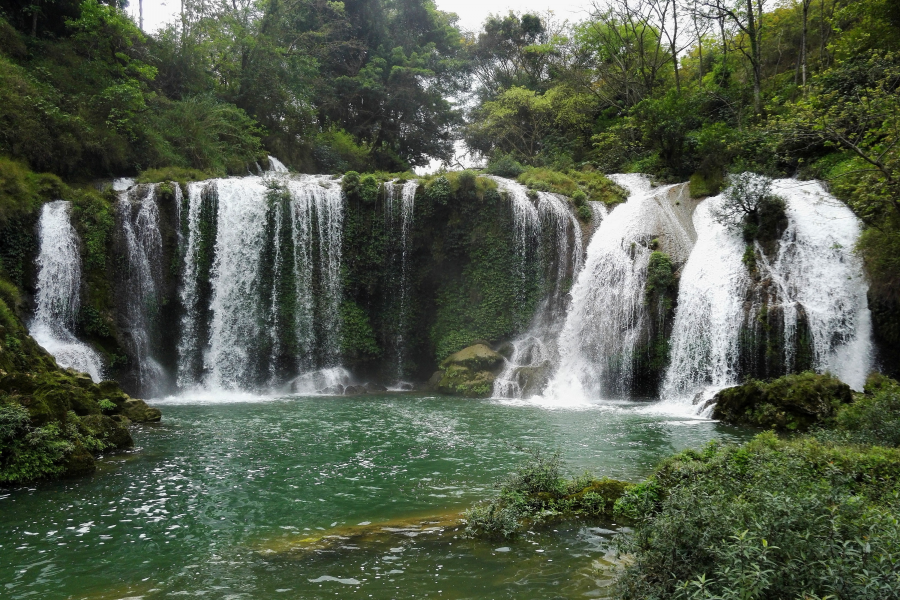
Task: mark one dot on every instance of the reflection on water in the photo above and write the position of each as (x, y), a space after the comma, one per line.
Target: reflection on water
(219, 497)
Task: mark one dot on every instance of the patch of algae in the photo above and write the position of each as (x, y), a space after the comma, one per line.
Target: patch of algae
(350, 537)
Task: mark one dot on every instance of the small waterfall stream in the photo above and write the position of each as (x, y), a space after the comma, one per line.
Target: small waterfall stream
(407, 216)
(138, 215)
(59, 292)
(533, 354)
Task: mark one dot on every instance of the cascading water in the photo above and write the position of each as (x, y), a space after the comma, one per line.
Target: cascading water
(237, 314)
(407, 213)
(526, 229)
(59, 292)
(824, 275)
(606, 321)
(533, 354)
(317, 216)
(272, 249)
(704, 347)
(814, 272)
(138, 216)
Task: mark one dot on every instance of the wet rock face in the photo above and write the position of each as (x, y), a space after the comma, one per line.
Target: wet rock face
(470, 372)
(790, 403)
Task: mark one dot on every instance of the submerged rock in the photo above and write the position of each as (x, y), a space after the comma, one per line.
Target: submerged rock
(354, 390)
(790, 403)
(470, 372)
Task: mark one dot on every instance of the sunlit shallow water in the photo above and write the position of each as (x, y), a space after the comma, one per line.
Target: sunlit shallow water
(231, 500)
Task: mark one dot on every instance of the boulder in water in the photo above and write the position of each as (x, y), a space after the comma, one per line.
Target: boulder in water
(790, 403)
(375, 388)
(470, 372)
(354, 390)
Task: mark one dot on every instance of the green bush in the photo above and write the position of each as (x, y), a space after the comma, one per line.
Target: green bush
(794, 402)
(536, 493)
(504, 165)
(767, 519)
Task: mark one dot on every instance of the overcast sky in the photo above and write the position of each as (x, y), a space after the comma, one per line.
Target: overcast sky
(471, 12)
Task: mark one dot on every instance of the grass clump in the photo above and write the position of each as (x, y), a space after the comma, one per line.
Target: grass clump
(594, 185)
(179, 174)
(537, 493)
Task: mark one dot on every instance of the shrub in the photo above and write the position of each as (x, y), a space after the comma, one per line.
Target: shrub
(504, 165)
(767, 519)
(792, 403)
(536, 493)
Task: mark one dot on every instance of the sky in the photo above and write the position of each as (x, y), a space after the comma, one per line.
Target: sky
(472, 13)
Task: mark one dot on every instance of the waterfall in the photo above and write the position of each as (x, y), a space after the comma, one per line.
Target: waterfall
(526, 230)
(139, 224)
(607, 320)
(814, 272)
(59, 292)
(271, 308)
(407, 213)
(317, 215)
(189, 342)
(548, 218)
(236, 325)
(704, 347)
(817, 269)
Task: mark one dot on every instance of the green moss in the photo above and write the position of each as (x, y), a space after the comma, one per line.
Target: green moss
(357, 336)
(596, 186)
(790, 403)
(179, 174)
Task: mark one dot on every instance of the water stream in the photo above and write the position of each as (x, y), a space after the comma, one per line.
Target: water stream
(58, 299)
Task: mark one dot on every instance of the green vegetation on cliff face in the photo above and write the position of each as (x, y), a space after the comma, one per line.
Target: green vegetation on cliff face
(52, 421)
(466, 280)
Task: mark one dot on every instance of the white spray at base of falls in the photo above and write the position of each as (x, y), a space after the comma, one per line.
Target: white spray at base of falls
(139, 224)
(534, 353)
(59, 292)
(606, 318)
(815, 268)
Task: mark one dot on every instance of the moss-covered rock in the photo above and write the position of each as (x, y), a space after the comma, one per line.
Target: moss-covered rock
(470, 372)
(790, 403)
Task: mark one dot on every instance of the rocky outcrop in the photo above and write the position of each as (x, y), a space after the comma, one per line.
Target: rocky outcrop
(469, 372)
(790, 403)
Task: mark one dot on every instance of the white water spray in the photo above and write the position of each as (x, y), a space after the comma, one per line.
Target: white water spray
(59, 292)
(606, 319)
(534, 353)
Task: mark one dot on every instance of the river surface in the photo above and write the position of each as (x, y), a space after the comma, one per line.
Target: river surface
(230, 497)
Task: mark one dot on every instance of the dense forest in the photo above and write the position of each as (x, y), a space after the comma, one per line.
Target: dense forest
(681, 90)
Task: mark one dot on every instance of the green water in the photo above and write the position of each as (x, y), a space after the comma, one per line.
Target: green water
(212, 497)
